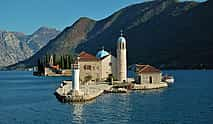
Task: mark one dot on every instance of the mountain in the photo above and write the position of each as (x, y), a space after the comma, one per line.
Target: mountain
(64, 43)
(164, 33)
(16, 46)
(12, 49)
(41, 37)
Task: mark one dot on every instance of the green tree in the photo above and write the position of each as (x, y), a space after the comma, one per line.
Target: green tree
(62, 62)
(40, 67)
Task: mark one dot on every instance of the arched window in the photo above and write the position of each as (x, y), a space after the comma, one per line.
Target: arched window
(85, 67)
(123, 44)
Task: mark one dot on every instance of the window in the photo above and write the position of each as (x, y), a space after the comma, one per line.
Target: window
(123, 45)
(110, 64)
(87, 67)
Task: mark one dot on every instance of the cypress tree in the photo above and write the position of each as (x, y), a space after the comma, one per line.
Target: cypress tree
(67, 62)
(54, 59)
(62, 62)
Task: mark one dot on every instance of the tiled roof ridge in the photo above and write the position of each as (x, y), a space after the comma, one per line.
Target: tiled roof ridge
(84, 56)
(145, 66)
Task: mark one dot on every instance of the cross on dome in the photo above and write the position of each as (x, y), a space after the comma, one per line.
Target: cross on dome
(102, 53)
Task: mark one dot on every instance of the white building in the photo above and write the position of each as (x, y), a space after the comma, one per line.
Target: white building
(103, 65)
(98, 67)
(145, 74)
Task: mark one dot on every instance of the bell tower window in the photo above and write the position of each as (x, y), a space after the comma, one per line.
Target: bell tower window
(123, 44)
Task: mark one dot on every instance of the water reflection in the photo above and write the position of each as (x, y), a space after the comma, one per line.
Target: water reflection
(124, 102)
(115, 110)
(77, 113)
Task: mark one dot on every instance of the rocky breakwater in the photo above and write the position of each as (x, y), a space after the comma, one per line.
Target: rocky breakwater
(87, 92)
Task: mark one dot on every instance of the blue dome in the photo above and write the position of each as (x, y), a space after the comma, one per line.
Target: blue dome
(102, 53)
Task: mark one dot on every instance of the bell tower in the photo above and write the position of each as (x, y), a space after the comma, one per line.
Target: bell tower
(121, 58)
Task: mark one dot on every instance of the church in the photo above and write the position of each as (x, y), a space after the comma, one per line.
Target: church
(103, 65)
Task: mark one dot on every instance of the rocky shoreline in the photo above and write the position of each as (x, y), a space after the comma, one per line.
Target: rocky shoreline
(91, 91)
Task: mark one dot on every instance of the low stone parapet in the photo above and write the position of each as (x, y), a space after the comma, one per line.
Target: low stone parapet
(149, 86)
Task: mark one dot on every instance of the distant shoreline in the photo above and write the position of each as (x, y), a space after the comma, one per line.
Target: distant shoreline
(163, 69)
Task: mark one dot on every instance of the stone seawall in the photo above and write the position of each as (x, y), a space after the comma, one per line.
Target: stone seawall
(91, 91)
(149, 86)
(86, 93)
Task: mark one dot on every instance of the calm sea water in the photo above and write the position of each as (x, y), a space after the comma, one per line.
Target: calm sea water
(25, 99)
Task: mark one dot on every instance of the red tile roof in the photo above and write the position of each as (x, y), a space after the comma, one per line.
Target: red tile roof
(84, 56)
(146, 69)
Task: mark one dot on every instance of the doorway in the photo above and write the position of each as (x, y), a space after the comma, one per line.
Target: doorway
(150, 79)
(139, 80)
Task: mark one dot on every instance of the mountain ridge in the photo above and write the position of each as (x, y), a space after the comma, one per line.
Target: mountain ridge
(16, 46)
(149, 28)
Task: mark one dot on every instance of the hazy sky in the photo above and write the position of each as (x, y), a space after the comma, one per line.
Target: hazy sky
(28, 15)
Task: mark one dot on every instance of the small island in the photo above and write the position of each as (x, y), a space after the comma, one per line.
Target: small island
(104, 73)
